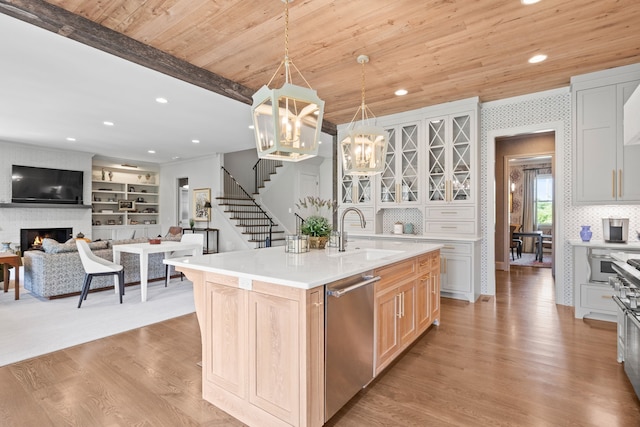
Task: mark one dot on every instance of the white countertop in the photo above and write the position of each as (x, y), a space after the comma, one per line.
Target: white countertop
(305, 270)
(630, 245)
(416, 237)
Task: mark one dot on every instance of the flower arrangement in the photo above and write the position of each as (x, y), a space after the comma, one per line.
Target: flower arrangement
(316, 225)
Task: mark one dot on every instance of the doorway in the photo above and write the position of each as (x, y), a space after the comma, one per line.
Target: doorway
(491, 184)
(529, 180)
(519, 161)
(183, 202)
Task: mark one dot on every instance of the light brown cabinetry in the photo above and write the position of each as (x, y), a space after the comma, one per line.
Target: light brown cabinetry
(263, 344)
(407, 302)
(428, 291)
(263, 350)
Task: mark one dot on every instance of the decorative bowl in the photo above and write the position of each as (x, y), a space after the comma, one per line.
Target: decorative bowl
(154, 241)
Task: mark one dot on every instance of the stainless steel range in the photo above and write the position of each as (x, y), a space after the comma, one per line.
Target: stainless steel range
(627, 298)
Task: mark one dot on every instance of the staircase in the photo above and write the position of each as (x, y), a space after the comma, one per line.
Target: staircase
(262, 171)
(257, 226)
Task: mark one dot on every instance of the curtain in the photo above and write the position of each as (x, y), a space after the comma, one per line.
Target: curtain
(528, 208)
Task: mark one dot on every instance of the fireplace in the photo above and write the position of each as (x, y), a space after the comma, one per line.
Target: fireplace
(31, 238)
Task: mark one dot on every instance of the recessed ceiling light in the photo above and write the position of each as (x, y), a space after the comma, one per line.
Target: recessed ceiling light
(151, 151)
(251, 127)
(537, 58)
(161, 100)
(107, 123)
(529, 1)
(176, 158)
(71, 139)
(195, 141)
(401, 92)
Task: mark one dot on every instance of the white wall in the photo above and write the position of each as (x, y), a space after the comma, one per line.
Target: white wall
(240, 165)
(13, 219)
(203, 172)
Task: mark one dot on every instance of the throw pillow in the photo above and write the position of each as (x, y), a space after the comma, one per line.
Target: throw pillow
(51, 246)
(98, 245)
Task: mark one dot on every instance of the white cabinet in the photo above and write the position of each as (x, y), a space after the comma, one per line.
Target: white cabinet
(605, 169)
(451, 205)
(356, 190)
(122, 201)
(460, 271)
(399, 183)
(451, 158)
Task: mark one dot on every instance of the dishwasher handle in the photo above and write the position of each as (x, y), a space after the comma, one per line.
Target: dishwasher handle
(339, 292)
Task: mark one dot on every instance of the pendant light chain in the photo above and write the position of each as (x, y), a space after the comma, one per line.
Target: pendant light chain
(286, 42)
(363, 104)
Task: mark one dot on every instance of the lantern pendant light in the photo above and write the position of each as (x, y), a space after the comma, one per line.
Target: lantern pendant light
(364, 148)
(287, 121)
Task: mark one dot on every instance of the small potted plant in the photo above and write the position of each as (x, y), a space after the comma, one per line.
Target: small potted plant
(192, 224)
(316, 226)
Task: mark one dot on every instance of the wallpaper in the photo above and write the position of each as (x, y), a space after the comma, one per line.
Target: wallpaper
(532, 110)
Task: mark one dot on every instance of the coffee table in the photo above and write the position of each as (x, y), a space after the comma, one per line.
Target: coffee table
(9, 259)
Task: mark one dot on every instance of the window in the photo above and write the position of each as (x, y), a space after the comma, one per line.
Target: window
(544, 199)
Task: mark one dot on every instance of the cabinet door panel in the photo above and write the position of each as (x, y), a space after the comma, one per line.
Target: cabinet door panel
(423, 301)
(225, 326)
(629, 189)
(407, 319)
(274, 376)
(435, 295)
(387, 341)
(456, 275)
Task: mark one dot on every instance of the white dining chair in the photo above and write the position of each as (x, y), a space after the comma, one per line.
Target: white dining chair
(189, 238)
(95, 266)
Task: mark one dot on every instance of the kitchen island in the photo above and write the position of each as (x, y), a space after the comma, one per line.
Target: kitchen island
(262, 320)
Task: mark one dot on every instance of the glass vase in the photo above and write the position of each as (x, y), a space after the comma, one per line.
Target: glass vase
(586, 233)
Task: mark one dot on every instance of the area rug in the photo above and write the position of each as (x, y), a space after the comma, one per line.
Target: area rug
(529, 260)
(33, 326)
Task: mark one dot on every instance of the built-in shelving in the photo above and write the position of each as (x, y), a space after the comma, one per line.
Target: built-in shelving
(124, 200)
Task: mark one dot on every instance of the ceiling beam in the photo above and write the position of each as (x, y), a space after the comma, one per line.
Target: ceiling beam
(78, 28)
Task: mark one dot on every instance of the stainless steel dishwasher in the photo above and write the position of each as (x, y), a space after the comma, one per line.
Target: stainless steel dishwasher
(348, 339)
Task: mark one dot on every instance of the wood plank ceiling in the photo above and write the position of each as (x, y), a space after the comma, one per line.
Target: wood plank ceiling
(438, 50)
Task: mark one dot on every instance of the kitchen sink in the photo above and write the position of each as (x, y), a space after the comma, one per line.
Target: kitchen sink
(367, 254)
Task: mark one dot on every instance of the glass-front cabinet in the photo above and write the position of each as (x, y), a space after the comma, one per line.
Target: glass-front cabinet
(399, 181)
(450, 158)
(356, 190)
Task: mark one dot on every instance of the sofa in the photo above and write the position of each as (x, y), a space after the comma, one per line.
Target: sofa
(57, 269)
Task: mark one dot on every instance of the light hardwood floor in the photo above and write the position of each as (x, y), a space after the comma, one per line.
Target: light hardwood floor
(513, 360)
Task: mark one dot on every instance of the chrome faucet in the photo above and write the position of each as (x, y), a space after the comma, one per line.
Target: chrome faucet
(363, 224)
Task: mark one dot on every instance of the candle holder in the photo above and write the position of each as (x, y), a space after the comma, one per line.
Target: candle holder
(296, 243)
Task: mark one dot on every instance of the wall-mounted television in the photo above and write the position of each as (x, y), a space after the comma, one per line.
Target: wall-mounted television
(44, 185)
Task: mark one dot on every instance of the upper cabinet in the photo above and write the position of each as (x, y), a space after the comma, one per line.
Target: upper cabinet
(356, 190)
(400, 179)
(605, 169)
(451, 158)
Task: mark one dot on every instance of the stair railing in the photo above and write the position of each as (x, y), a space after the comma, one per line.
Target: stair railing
(233, 190)
(262, 170)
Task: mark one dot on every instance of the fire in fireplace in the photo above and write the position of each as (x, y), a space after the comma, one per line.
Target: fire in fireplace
(31, 238)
